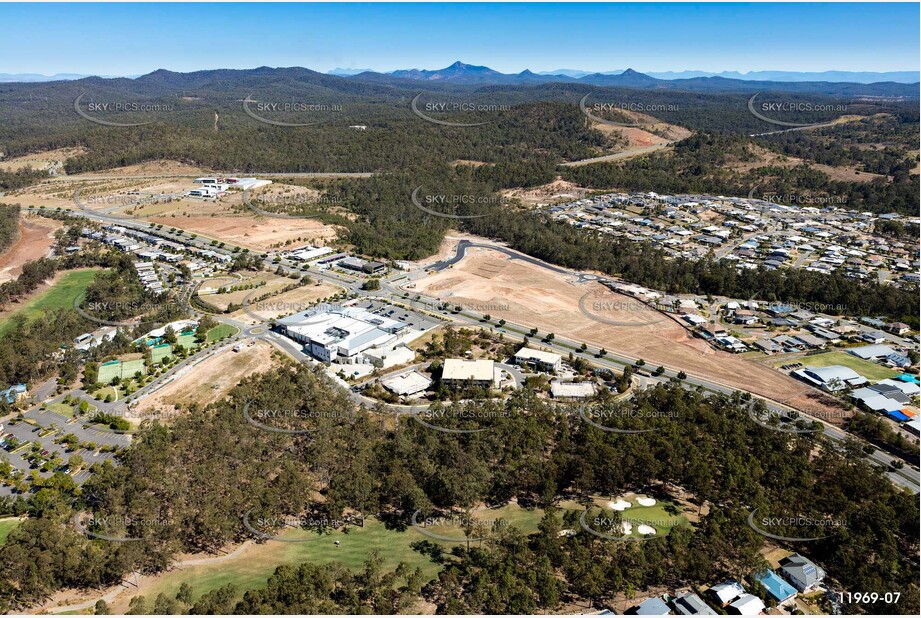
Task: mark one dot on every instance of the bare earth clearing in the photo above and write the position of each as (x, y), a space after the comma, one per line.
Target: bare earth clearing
(252, 232)
(40, 160)
(285, 303)
(35, 239)
(558, 190)
(528, 294)
(208, 381)
(769, 158)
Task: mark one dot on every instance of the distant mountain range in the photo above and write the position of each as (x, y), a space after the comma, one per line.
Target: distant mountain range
(456, 76)
(37, 77)
(857, 77)
(460, 73)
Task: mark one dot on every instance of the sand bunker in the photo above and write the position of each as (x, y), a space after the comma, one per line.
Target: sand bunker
(619, 505)
(646, 501)
(644, 529)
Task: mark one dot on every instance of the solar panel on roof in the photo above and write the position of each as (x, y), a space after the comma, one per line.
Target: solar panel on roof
(809, 569)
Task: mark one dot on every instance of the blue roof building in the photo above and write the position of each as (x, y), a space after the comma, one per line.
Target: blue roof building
(776, 586)
(14, 393)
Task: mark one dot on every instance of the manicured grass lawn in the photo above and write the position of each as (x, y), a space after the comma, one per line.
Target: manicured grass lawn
(253, 568)
(220, 331)
(69, 287)
(870, 371)
(61, 408)
(663, 515)
(101, 394)
(189, 342)
(6, 526)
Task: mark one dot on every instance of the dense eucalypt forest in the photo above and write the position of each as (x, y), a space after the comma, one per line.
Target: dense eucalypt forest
(9, 225)
(526, 132)
(188, 487)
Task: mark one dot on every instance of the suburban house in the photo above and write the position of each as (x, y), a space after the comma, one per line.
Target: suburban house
(652, 607)
(801, 572)
(689, 604)
(780, 591)
(746, 605)
(723, 594)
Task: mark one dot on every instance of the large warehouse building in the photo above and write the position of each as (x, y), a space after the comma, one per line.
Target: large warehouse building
(331, 333)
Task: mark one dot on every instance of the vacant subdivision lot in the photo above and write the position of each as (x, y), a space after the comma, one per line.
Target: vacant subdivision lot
(527, 294)
(282, 304)
(209, 380)
(260, 282)
(251, 231)
(34, 241)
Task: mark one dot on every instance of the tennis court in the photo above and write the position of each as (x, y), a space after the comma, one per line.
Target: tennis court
(120, 369)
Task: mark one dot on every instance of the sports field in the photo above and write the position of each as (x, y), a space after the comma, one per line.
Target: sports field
(188, 341)
(870, 371)
(124, 370)
(69, 286)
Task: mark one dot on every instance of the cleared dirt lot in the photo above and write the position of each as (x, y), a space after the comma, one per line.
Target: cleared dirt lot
(272, 283)
(282, 304)
(35, 239)
(767, 157)
(40, 160)
(527, 294)
(208, 381)
(252, 232)
(155, 191)
(558, 190)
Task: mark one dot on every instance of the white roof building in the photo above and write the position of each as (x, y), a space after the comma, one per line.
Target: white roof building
(407, 383)
(572, 390)
(456, 371)
(748, 605)
(332, 333)
(870, 352)
(727, 591)
(540, 358)
(832, 378)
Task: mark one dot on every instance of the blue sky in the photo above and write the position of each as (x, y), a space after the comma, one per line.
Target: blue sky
(129, 39)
